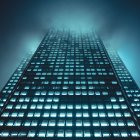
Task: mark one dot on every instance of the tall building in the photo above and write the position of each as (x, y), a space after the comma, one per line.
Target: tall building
(73, 87)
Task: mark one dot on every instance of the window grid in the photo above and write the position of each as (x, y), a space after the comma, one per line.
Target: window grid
(69, 89)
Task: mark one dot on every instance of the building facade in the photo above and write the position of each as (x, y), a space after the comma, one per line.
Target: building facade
(73, 87)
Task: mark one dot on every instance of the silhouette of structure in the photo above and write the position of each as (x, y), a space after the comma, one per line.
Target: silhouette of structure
(72, 87)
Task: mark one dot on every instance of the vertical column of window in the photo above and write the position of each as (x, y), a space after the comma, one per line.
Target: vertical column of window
(12, 113)
(114, 88)
(13, 81)
(127, 83)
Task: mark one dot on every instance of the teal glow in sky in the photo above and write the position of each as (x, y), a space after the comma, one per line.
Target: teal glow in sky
(128, 52)
(31, 43)
(77, 21)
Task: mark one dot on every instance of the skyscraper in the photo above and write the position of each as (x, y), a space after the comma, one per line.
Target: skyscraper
(72, 87)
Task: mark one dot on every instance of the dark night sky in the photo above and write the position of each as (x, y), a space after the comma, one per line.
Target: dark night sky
(23, 23)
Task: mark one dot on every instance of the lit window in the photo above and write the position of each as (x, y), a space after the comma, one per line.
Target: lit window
(85, 114)
(116, 134)
(5, 114)
(31, 133)
(113, 123)
(1, 123)
(78, 114)
(106, 134)
(52, 123)
(44, 123)
(62, 114)
(10, 123)
(97, 134)
(42, 133)
(5, 134)
(130, 123)
(34, 123)
(50, 133)
(53, 114)
(27, 123)
(61, 123)
(14, 114)
(87, 133)
(96, 123)
(86, 123)
(79, 123)
(95, 114)
(30, 114)
(79, 133)
(68, 133)
(135, 134)
(60, 133)
(124, 134)
(17, 123)
(104, 123)
(69, 114)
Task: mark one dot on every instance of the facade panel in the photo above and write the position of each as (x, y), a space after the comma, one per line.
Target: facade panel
(70, 89)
